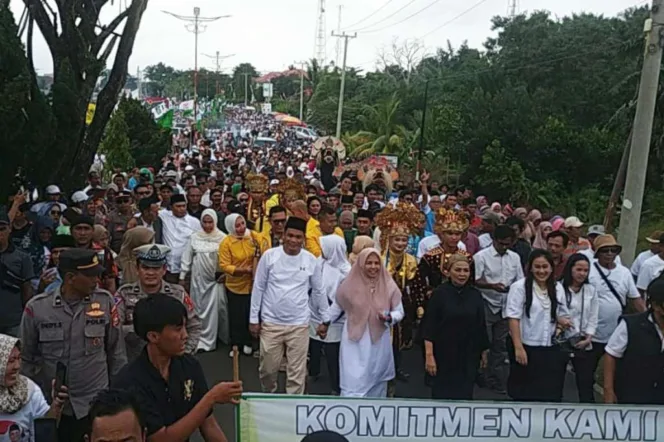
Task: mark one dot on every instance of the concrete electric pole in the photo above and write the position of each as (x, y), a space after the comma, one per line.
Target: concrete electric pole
(218, 59)
(343, 78)
(246, 87)
(196, 24)
(302, 64)
(630, 215)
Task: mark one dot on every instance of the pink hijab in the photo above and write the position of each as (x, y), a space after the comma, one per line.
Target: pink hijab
(361, 306)
(540, 239)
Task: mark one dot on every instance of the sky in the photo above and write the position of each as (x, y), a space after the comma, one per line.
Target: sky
(273, 34)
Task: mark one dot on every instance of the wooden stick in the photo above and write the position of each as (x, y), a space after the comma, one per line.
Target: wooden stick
(236, 364)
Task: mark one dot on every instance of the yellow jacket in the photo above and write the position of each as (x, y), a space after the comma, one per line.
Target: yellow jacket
(312, 237)
(238, 252)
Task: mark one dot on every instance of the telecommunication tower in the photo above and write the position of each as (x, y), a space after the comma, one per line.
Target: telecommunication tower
(512, 8)
(321, 35)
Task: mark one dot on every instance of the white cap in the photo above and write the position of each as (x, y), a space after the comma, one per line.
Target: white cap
(189, 168)
(573, 221)
(79, 197)
(53, 190)
(274, 182)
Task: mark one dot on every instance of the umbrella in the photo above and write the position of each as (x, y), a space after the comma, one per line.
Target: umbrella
(289, 120)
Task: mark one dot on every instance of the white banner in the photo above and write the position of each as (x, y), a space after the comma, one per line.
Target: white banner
(280, 418)
(159, 110)
(186, 105)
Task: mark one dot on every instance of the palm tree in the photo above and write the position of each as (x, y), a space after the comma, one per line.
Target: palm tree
(382, 134)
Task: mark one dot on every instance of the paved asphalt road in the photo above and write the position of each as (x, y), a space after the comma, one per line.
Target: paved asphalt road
(219, 367)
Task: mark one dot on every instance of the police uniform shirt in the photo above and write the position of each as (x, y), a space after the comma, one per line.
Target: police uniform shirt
(619, 340)
(85, 336)
(163, 402)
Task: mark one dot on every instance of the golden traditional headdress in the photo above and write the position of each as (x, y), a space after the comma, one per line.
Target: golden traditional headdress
(450, 221)
(256, 182)
(292, 190)
(403, 219)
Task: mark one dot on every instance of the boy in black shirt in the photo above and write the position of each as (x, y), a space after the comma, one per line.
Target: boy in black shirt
(169, 384)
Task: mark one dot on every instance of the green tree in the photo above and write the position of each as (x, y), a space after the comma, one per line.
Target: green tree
(149, 143)
(80, 47)
(240, 87)
(382, 135)
(116, 145)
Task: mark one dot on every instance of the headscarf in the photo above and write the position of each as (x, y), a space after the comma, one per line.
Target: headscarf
(236, 188)
(216, 236)
(496, 207)
(531, 230)
(540, 239)
(334, 253)
(361, 304)
(557, 223)
(136, 237)
(519, 211)
(481, 201)
(346, 215)
(13, 398)
(361, 242)
(146, 171)
(41, 223)
(230, 221)
(99, 233)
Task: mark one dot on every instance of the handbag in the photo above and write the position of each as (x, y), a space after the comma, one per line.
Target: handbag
(611, 288)
(568, 344)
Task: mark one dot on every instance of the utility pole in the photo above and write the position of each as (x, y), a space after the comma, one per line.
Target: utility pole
(630, 215)
(197, 25)
(512, 8)
(338, 45)
(301, 63)
(246, 87)
(343, 78)
(138, 81)
(424, 117)
(218, 59)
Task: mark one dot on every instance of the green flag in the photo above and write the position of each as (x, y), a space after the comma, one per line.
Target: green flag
(166, 120)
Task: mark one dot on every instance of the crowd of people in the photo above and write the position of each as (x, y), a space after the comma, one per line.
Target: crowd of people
(262, 247)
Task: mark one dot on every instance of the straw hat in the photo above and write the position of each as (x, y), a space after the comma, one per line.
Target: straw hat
(655, 237)
(605, 241)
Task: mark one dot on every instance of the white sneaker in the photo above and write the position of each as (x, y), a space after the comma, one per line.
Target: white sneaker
(247, 350)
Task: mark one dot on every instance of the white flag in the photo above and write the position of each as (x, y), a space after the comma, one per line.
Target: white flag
(187, 105)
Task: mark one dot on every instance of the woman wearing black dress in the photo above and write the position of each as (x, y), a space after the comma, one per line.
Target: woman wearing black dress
(455, 335)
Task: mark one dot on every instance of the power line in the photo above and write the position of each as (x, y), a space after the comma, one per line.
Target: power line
(405, 19)
(476, 5)
(389, 16)
(370, 15)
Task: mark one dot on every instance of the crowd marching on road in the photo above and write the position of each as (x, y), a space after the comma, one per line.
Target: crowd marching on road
(295, 254)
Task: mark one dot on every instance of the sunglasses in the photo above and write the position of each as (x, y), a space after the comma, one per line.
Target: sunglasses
(56, 213)
(122, 200)
(615, 250)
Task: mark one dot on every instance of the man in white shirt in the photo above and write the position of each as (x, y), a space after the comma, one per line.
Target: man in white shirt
(489, 222)
(615, 291)
(280, 312)
(652, 268)
(177, 227)
(496, 269)
(654, 242)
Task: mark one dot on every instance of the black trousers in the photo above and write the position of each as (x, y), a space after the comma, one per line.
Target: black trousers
(238, 318)
(72, 429)
(332, 358)
(585, 365)
(542, 379)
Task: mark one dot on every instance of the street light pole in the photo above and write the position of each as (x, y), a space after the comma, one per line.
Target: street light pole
(424, 116)
(196, 24)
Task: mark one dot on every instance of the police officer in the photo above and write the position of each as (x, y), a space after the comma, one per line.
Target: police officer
(634, 360)
(151, 270)
(78, 325)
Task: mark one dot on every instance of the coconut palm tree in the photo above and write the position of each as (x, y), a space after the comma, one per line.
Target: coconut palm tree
(382, 134)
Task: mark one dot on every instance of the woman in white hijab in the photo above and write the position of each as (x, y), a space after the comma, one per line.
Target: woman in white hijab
(332, 267)
(209, 297)
(21, 400)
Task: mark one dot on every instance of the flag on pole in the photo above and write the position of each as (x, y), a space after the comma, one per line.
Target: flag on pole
(166, 120)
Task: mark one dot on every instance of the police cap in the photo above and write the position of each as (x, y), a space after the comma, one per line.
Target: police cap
(152, 255)
(84, 261)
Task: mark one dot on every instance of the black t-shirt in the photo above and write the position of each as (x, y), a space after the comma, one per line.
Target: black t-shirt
(163, 402)
(18, 235)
